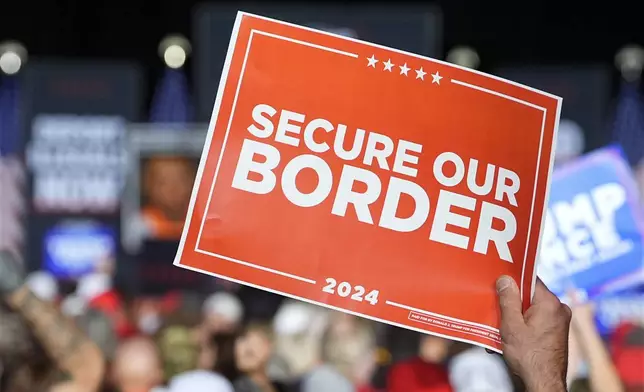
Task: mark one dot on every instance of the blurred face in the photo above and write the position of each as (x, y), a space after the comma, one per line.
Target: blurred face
(170, 184)
(433, 349)
(252, 351)
(137, 365)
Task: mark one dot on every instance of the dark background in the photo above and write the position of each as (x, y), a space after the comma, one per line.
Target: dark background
(518, 32)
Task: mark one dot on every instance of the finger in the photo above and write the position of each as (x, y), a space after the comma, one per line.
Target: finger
(542, 294)
(509, 302)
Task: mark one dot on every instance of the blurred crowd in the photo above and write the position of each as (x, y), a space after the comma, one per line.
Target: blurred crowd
(180, 342)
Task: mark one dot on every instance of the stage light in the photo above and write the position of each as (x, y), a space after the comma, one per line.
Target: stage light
(13, 56)
(174, 49)
(464, 56)
(630, 61)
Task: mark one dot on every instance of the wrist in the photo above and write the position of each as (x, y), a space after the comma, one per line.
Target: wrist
(547, 384)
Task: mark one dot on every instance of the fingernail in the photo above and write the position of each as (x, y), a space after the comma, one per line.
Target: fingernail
(503, 283)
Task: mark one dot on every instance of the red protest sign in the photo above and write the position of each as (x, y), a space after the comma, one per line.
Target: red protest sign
(370, 180)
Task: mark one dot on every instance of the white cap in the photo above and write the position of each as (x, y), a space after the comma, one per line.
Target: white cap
(199, 381)
(43, 285)
(294, 318)
(225, 305)
(93, 285)
(477, 371)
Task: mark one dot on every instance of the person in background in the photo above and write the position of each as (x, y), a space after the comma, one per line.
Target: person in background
(299, 328)
(167, 186)
(179, 349)
(137, 366)
(97, 292)
(222, 312)
(474, 370)
(587, 347)
(32, 354)
(425, 372)
(253, 350)
(98, 327)
(222, 356)
(146, 315)
(349, 345)
(627, 349)
(198, 381)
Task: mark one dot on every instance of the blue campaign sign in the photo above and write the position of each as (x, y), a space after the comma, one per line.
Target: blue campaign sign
(592, 236)
(75, 248)
(616, 308)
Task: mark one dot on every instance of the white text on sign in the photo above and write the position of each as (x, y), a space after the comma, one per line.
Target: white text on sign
(344, 289)
(376, 150)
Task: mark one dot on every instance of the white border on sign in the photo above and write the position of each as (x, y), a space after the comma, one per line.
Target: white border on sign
(215, 113)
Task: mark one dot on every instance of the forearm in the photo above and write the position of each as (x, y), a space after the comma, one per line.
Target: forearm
(546, 384)
(601, 371)
(72, 351)
(574, 357)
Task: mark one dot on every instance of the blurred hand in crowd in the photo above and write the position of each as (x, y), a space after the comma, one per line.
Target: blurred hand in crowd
(535, 344)
(602, 375)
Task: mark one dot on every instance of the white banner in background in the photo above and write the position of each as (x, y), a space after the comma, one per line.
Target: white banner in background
(78, 163)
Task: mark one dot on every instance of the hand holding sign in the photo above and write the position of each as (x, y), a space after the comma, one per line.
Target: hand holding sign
(339, 173)
(535, 344)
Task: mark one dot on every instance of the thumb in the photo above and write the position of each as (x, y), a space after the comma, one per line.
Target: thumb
(510, 302)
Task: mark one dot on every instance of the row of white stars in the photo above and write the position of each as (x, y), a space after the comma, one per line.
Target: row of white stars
(404, 69)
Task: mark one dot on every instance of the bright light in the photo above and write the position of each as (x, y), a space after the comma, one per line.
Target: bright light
(10, 62)
(13, 56)
(174, 49)
(174, 56)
